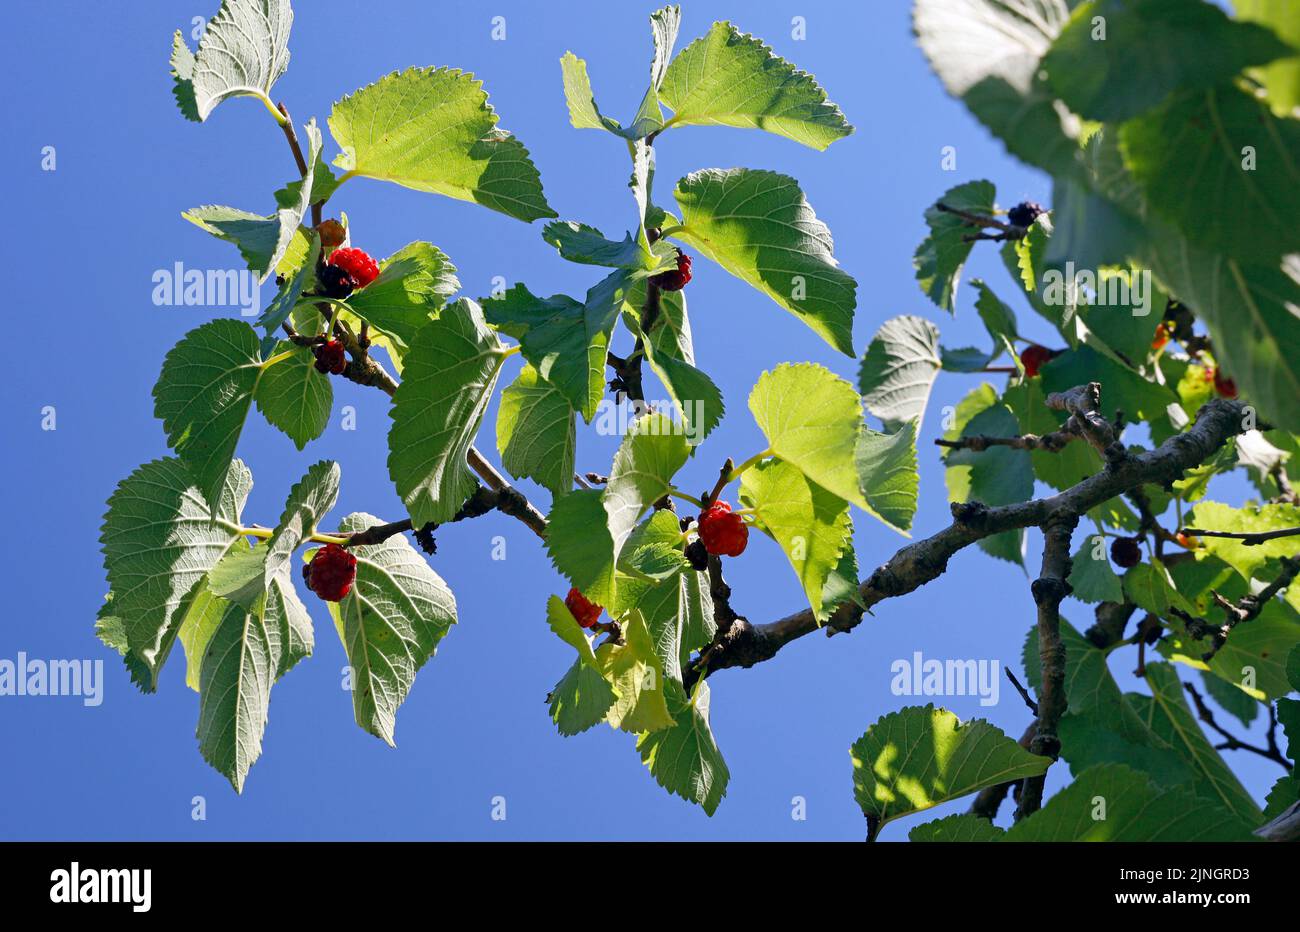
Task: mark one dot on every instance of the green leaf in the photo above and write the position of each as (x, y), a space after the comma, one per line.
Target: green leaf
(308, 502)
(695, 396)
(962, 827)
(996, 476)
(448, 377)
(811, 525)
(1148, 586)
(941, 255)
(642, 472)
(240, 660)
(1281, 78)
(999, 320)
(1250, 311)
(1122, 388)
(1089, 739)
(583, 111)
(1234, 700)
(1090, 690)
(1288, 715)
(1293, 668)
(294, 396)
(413, 284)
(535, 432)
(432, 129)
(1091, 576)
(565, 341)
(758, 226)
(811, 418)
(1247, 560)
(664, 24)
(887, 473)
(1167, 714)
(579, 543)
(636, 673)
(921, 756)
(899, 369)
(282, 305)
(1116, 803)
(586, 245)
(583, 696)
(203, 395)
(580, 700)
(1284, 794)
(671, 336)
(111, 630)
(1151, 49)
(160, 540)
(1253, 658)
(987, 54)
(262, 241)
(390, 624)
(1189, 158)
(678, 611)
(182, 70)
(243, 52)
(730, 78)
(685, 759)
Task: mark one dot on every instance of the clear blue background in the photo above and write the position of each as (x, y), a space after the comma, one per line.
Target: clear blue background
(82, 243)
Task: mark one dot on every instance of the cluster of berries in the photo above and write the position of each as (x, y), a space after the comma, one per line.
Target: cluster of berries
(675, 279)
(722, 533)
(347, 270)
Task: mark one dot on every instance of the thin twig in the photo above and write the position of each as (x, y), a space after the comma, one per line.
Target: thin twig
(1247, 538)
(1024, 693)
(1233, 743)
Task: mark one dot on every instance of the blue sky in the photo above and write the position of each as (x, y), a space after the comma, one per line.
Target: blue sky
(88, 237)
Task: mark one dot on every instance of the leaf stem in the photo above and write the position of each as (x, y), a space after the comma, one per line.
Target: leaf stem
(278, 357)
(328, 539)
(676, 493)
(280, 118)
(739, 470)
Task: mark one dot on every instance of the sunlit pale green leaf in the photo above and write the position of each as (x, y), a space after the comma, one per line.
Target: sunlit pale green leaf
(433, 130)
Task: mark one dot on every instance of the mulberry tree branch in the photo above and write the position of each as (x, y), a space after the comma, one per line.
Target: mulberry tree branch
(925, 560)
(1049, 589)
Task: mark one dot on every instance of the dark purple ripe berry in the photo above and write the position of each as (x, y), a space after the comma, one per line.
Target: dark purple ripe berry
(1024, 214)
(1125, 552)
(335, 282)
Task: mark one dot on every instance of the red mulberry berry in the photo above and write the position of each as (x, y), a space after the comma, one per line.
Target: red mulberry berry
(677, 279)
(585, 611)
(331, 573)
(723, 532)
(330, 358)
(356, 263)
(1125, 552)
(1033, 358)
(1024, 214)
(1224, 385)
